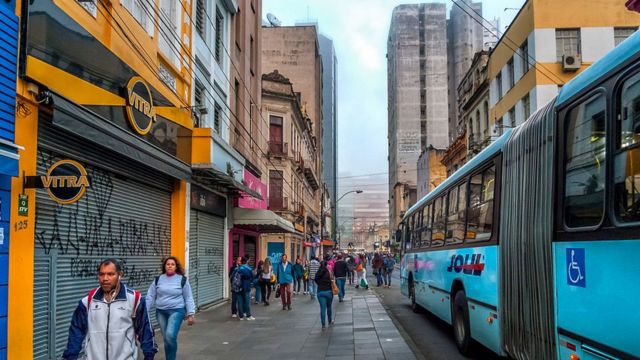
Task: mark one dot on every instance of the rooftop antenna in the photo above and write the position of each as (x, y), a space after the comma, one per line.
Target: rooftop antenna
(273, 20)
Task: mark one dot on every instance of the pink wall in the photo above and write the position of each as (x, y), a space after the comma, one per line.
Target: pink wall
(253, 183)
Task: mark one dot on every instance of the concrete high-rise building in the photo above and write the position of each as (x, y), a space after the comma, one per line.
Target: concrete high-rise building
(491, 34)
(418, 111)
(465, 38)
(329, 122)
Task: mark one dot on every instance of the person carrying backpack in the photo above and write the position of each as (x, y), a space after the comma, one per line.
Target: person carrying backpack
(234, 295)
(389, 264)
(284, 274)
(241, 285)
(171, 295)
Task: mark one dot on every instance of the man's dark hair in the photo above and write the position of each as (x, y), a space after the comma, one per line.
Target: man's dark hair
(245, 259)
(339, 256)
(110, 261)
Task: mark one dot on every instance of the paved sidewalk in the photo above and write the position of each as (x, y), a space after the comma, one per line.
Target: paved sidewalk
(362, 330)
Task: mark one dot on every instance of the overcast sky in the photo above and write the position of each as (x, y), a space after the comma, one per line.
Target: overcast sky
(359, 29)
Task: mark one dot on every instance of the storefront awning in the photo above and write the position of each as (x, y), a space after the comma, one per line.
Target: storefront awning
(85, 123)
(264, 221)
(213, 178)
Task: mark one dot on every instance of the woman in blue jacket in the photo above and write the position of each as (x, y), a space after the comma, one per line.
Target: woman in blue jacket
(171, 295)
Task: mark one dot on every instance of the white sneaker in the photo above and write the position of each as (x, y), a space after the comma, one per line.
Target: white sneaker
(241, 319)
(251, 318)
(234, 315)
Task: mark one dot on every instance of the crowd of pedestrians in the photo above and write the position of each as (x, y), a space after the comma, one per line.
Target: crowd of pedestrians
(92, 333)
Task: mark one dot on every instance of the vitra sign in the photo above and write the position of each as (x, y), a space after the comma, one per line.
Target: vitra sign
(140, 110)
(66, 181)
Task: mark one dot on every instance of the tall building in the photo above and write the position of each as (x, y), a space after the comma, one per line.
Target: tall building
(465, 38)
(418, 111)
(329, 122)
(490, 34)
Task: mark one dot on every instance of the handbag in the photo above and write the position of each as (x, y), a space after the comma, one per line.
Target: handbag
(334, 287)
(278, 292)
(273, 279)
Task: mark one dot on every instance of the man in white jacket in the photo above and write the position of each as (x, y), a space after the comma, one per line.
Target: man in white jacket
(111, 318)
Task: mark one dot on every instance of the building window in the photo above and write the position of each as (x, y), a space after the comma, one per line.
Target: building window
(252, 56)
(526, 104)
(167, 77)
(486, 118)
(199, 103)
(239, 36)
(585, 163)
(200, 19)
(478, 122)
(499, 84)
(276, 199)
(90, 6)
(142, 11)
(219, 34)
(512, 117)
(524, 50)
(169, 25)
(217, 118)
(511, 72)
(621, 33)
(567, 42)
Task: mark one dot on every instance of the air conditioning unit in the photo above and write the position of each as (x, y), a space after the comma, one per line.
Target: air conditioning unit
(571, 62)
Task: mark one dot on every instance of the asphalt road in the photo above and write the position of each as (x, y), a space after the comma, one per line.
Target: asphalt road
(429, 336)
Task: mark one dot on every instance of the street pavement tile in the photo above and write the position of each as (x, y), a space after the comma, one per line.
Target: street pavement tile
(364, 334)
(339, 357)
(367, 341)
(399, 355)
(369, 357)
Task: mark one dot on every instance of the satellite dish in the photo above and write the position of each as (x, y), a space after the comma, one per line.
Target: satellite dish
(273, 20)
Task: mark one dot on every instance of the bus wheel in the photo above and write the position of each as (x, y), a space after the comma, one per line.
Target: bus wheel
(412, 294)
(461, 331)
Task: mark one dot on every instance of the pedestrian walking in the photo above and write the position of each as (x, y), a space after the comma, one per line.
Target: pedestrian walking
(351, 266)
(298, 272)
(170, 294)
(361, 272)
(104, 331)
(241, 285)
(376, 265)
(389, 265)
(265, 280)
(305, 277)
(284, 274)
(314, 265)
(234, 295)
(257, 275)
(340, 270)
(325, 294)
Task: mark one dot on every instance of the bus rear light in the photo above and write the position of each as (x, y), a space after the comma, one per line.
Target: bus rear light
(490, 320)
(574, 357)
(572, 347)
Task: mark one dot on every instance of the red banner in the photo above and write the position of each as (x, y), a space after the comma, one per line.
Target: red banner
(633, 5)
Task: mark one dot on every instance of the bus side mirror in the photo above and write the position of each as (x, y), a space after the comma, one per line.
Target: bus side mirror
(398, 235)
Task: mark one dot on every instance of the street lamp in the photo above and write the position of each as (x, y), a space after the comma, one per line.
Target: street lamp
(358, 191)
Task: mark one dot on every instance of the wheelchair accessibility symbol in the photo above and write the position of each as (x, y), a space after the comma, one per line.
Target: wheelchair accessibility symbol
(576, 268)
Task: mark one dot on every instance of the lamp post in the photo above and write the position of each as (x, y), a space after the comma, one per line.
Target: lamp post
(335, 204)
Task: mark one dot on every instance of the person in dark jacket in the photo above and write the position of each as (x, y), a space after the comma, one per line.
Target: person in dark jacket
(244, 295)
(298, 272)
(340, 270)
(376, 265)
(234, 295)
(325, 295)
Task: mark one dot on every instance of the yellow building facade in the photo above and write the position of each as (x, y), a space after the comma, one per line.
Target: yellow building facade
(104, 102)
(545, 46)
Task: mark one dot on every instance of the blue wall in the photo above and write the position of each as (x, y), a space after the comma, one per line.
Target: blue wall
(8, 164)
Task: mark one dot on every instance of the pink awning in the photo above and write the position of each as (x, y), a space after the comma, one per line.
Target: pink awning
(633, 5)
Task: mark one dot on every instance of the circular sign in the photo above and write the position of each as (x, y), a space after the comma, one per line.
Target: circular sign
(66, 181)
(140, 110)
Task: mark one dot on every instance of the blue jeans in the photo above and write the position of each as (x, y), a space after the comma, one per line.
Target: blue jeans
(340, 282)
(379, 277)
(313, 287)
(325, 298)
(244, 304)
(387, 277)
(256, 285)
(170, 321)
(234, 303)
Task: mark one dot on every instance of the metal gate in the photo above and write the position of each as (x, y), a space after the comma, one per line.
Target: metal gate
(118, 217)
(206, 255)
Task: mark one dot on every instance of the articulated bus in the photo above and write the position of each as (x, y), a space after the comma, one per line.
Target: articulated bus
(531, 248)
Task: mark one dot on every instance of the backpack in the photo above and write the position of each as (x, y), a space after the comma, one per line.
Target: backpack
(236, 281)
(182, 282)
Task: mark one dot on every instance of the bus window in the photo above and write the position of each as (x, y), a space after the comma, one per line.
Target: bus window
(585, 163)
(426, 223)
(437, 235)
(480, 218)
(627, 161)
(407, 234)
(455, 222)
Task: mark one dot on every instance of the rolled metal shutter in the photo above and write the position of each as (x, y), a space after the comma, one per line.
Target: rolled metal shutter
(119, 217)
(207, 263)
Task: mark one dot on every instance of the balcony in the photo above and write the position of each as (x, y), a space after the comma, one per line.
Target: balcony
(278, 149)
(311, 177)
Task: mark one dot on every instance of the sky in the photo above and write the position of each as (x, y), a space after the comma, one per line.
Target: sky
(359, 29)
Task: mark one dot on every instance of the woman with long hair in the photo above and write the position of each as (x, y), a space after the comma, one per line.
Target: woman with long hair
(325, 294)
(171, 295)
(265, 280)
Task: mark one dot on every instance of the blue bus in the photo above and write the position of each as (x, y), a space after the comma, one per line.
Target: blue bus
(531, 247)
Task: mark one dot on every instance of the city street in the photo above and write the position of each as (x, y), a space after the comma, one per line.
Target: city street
(362, 330)
(428, 335)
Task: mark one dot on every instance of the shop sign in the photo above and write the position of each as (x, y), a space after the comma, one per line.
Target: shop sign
(23, 205)
(207, 201)
(66, 182)
(249, 202)
(299, 227)
(140, 110)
